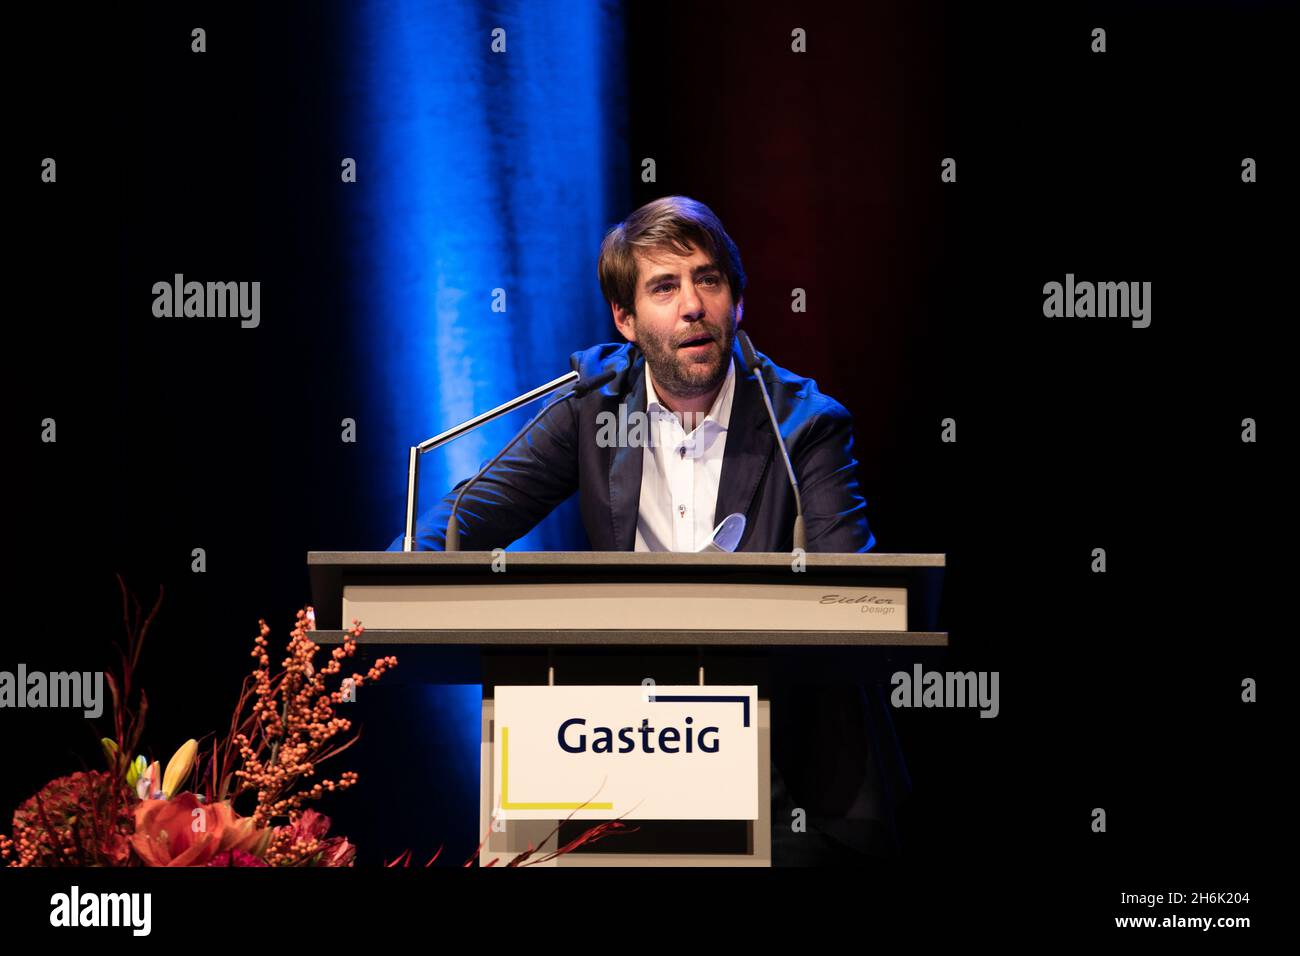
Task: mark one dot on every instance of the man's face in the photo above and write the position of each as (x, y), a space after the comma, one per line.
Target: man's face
(684, 321)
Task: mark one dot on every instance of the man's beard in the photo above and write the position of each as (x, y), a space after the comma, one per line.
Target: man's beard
(680, 374)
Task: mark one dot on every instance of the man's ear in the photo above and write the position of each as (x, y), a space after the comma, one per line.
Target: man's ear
(740, 308)
(624, 321)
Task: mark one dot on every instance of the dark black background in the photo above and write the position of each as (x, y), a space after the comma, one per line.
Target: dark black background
(1119, 690)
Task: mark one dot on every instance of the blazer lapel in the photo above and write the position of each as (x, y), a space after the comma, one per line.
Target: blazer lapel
(748, 450)
(625, 467)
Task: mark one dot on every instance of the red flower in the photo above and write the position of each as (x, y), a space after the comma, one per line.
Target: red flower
(337, 852)
(236, 858)
(310, 826)
(78, 820)
(183, 832)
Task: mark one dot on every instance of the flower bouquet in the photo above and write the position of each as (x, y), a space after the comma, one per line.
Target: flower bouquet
(136, 812)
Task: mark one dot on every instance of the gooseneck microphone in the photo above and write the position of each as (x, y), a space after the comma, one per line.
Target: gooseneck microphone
(456, 431)
(589, 384)
(751, 358)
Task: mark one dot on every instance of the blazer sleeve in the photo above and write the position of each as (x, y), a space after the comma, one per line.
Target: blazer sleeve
(835, 513)
(516, 493)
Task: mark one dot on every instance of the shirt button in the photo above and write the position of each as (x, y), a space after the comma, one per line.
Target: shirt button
(681, 510)
(682, 450)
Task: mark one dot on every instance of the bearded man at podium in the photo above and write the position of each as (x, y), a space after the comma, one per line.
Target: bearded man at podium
(680, 438)
(680, 441)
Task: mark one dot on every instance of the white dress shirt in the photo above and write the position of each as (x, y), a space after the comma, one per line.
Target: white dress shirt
(680, 473)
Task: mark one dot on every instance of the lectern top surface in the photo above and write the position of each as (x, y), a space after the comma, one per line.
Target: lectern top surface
(626, 559)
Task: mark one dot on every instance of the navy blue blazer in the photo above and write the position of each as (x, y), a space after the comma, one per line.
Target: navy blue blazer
(560, 455)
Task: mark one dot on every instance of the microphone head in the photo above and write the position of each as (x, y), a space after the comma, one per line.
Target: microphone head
(747, 349)
(594, 382)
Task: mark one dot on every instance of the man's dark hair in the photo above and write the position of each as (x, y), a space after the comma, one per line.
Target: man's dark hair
(673, 222)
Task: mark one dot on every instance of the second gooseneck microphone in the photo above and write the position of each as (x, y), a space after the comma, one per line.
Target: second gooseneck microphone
(751, 359)
(452, 540)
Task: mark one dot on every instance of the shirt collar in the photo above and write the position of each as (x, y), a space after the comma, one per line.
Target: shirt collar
(719, 414)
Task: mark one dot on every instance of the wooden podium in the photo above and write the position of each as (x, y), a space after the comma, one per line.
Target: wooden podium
(605, 617)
